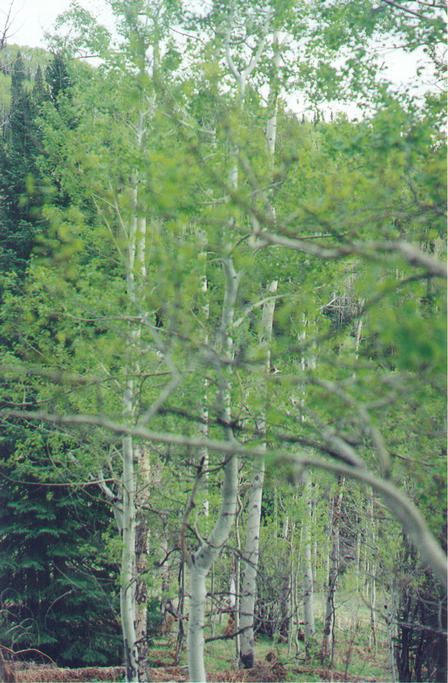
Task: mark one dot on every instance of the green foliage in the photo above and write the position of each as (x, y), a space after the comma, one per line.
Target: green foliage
(118, 207)
(57, 587)
(20, 180)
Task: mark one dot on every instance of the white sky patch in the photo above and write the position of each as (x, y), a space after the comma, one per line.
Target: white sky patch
(31, 19)
(402, 68)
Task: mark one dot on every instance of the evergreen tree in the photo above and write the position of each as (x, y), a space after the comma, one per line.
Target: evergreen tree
(39, 92)
(19, 178)
(57, 77)
(57, 586)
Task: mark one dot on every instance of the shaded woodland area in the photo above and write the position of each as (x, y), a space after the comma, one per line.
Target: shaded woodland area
(223, 346)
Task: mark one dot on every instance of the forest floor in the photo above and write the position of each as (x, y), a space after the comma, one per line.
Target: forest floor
(261, 672)
(275, 666)
(356, 659)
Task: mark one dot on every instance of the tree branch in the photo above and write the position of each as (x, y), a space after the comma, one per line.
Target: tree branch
(405, 9)
(401, 507)
(231, 635)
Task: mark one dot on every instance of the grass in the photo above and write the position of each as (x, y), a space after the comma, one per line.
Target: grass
(352, 654)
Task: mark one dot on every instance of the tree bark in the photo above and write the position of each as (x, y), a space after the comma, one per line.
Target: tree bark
(200, 563)
(371, 568)
(250, 561)
(195, 640)
(127, 578)
(327, 648)
(308, 584)
(142, 534)
(131, 585)
(250, 554)
(203, 558)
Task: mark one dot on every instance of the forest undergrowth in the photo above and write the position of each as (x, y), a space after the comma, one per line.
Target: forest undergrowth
(356, 658)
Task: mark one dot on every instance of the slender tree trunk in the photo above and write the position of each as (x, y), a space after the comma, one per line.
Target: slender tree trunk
(135, 277)
(195, 642)
(141, 562)
(250, 563)
(237, 599)
(358, 560)
(127, 580)
(391, 621)
(250, 554)
(307, 585)
(125, 516)
(327, 648)
(203, 406)
(292, 588)
(251, 550)
(292, 605)
(180, 610)
(200, 564)
(285, 616)
(371, 572)
(203, 558)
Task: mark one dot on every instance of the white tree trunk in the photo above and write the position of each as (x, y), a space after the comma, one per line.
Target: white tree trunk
(200, 564)
(203, 454)
(327, 648)
(135, 658)
(203, 558)
(195, 639)
(371, 572)
(250, 554)
(237, 580)
(142, 535)
(127, 578)
(250, 562)
(307, 585)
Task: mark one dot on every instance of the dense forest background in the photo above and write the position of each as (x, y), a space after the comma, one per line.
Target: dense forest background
(223, 339)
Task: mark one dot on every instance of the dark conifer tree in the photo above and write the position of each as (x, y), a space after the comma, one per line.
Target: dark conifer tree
(40, 90)
(56, 596)
(58, 77)
(19, 212)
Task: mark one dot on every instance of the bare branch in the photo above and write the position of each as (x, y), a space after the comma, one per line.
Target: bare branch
(257, 54)
(405, 9)
(370, 249)
(416, 257)
(188, 508)
(6, 26)
(375, 434)
(251, 308)
(230, 63)
(401, 507)
(53, 374)
(231, 635)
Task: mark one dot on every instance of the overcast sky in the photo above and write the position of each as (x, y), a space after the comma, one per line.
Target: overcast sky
(31, 18)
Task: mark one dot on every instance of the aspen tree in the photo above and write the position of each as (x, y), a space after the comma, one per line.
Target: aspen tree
(249, 563)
